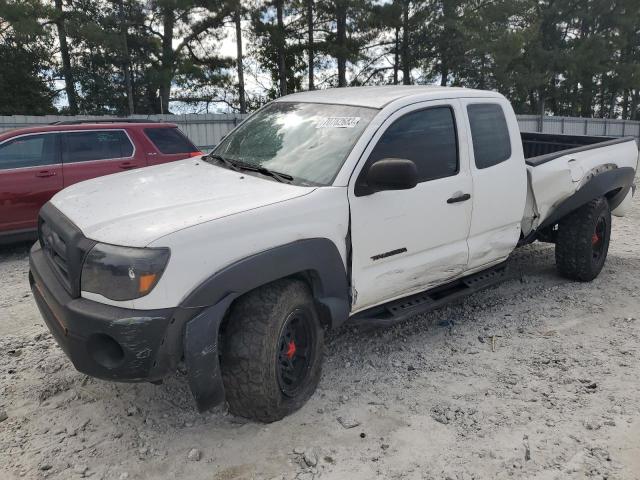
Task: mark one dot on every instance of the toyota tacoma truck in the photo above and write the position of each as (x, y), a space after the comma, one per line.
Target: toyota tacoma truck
(366, 204)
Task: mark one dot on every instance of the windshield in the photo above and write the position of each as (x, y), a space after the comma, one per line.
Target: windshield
(308, 141)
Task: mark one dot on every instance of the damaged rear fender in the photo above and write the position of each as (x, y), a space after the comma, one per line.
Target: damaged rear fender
(613, 184)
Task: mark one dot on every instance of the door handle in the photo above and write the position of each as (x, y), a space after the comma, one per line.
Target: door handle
(127, 165)
(461, 198)
(45, 173)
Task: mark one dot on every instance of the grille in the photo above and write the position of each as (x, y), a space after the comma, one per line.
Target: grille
(55, 248)
(64, 246)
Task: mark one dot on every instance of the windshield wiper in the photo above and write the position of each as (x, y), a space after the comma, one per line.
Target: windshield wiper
(280, 177)
(220, 158)
(237, 166)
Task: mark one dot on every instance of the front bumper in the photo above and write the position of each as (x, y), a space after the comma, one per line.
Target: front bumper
(101, 340)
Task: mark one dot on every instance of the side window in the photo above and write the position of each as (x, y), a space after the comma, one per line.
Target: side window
(28, 151)
(491, 141)
(428, 137)
(170, 140)
(95, 145)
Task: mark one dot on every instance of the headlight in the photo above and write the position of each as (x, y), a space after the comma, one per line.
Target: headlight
(123, 273)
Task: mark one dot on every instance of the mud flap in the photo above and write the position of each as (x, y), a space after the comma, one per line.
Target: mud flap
(202, 356)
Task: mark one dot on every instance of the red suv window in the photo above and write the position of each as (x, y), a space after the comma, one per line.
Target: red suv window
(170, 140)
(28, 151)
(96, 145)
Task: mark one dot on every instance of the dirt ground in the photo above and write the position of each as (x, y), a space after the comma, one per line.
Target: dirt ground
(558, 395)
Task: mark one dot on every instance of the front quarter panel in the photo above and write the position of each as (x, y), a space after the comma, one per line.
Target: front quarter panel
(199, 252)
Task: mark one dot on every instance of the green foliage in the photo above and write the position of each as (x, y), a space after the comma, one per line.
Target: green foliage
(562, 57)
(25, 80)
(267, 39)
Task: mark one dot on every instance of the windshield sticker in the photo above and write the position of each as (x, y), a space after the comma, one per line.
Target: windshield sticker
(338, 122)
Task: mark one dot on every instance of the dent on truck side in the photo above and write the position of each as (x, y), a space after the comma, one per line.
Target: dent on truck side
(613, 183)
(317, 259)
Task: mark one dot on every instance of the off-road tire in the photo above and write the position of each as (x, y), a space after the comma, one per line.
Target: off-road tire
(575, 257)
(250, 348)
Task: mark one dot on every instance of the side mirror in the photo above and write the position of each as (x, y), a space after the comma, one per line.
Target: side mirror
(388, 174)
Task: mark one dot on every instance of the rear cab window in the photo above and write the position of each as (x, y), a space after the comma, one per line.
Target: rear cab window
(28, 151)
(95, 145)
(490, 134)
(170, 140)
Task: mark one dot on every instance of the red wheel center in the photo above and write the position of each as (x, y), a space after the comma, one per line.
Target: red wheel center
(291, 349)
(595, 238)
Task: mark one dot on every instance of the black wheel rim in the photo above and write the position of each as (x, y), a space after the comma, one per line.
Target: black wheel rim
(598, 239)
(295, 349)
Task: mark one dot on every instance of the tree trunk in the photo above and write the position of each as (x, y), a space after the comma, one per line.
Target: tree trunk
(168, 23)
(612, 103)
(396, 56)
(448, 12)
(281, 43)
(444, 72)
(126, 58)
(406, 62)
(239, 58)
(625, 104)
(586, 100)
(341, 31)
(602, 96)
(66, 60)
(541, 109)
(532, 101)
(311, 48)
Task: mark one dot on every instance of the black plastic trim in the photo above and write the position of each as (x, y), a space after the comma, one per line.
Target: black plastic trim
(76, 244)
(401, 309)
(318, 257)
(76, 323)
(202, 356)
(18, 236)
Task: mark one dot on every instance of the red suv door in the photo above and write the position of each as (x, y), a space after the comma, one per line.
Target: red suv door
(168, 144)
(30, 174)
(92, 153)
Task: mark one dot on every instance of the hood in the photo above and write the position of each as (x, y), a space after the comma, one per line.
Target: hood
(137, 207)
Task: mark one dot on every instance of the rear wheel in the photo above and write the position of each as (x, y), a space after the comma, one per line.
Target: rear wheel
(582, 242)
(272, 351)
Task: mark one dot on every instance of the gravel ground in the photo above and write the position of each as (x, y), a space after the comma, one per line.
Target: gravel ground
(536, 378)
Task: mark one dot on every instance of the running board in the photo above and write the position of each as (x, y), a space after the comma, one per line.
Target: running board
(403, 308)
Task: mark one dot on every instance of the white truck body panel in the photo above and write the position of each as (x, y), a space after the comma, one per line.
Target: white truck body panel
(207, 247)
(137, 207)
(210, 216)
(433, 232)
(501, 188)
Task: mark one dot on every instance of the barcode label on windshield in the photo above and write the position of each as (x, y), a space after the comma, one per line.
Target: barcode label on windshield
(338, 122)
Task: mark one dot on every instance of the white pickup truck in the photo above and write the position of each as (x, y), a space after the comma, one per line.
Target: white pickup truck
(367, 204)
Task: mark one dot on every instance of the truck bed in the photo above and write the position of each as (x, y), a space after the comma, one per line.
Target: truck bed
(544, 147)
(559, 165)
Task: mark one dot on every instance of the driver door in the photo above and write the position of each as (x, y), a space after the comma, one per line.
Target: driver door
(406, 241)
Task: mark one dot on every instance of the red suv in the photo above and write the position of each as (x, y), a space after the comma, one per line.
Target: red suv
(37, 162)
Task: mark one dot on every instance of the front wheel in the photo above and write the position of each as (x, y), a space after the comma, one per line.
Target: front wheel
(272, 351)
(583, 241)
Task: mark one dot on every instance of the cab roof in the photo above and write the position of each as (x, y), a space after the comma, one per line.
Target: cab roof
(379, 97)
